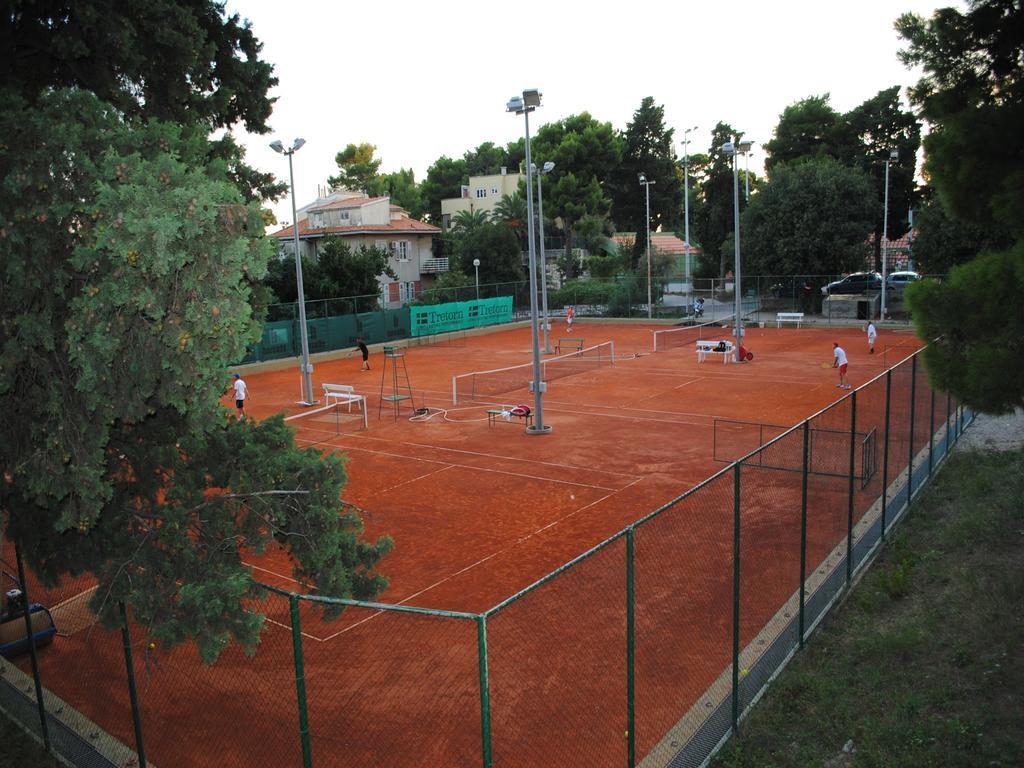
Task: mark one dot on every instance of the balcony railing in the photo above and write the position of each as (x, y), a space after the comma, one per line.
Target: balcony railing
(434, 265)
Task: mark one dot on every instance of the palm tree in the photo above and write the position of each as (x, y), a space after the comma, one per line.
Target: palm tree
(470, 220)
(512, 211)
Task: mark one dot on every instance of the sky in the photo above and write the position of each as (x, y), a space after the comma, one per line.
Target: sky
(419, 80)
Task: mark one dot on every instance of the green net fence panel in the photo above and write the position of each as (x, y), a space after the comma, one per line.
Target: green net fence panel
(922, 405)
(204, 715)
(867, 496)
(770, 504)
(828, 505)
(901, 379)
(683, 564)
(558, 667)
(394, 689)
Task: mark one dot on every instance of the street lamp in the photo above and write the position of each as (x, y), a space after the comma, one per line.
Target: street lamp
(548, 167)
(646, 184)
(686, 210)
(734, 148)
(307, 367)
(476, 266)
(524, 105)
(894, 155)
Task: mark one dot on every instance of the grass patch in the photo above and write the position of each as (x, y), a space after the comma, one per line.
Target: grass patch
(922, 664)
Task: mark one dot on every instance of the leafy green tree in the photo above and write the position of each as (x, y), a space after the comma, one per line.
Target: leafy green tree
(180, 60)
(584, 151)
(972, 93)
(648, 149)
(358, 169)
(878, 126)
(404, 192)
(711, 223)
(511, 210)
(444, 181)
(941, 243)
(973, 96)
(809, 219)
(127, 262)
(467, 221)
(449, 286)
(807, 129)
(485, 160)
(975, 336)
(497, 247)
(340, 271)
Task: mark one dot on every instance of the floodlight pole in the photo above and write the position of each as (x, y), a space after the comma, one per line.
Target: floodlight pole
(307, 367)
(893, 156)
(735, 148)
(686, 212)
(524, 105)
(646, 184)
(546, 168)
(476, 266)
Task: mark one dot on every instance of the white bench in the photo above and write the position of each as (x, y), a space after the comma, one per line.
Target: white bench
(344, 394)
(789, 317)
(705, 348)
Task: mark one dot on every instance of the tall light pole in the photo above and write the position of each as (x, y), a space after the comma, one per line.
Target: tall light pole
(646, 184)
(524, 105)
(476, 266)
(734, 148)
(547, 168)
(894, 155)
(746, 177)
(307, 367)
(686, 211)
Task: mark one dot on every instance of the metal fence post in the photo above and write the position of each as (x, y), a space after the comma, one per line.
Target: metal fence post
(300, 682)
(913, 409)
(849, 493)
(803, 525)
(630, 654)
(885, 452)
(736, 598)
(133, 695)
(31, 636)
(949, 426)
(931, 433)
(485, 690)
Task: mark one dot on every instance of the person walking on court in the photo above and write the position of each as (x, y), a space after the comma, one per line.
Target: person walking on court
(241, 393)
(365, 352)
(570, 313)
(872, 335)
(840, 362)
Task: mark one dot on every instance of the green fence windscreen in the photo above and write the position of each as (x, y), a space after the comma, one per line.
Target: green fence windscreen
(459, 315)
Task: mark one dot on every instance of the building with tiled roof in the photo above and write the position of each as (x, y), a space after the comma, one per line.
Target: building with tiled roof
(482, 193)
(374, 223)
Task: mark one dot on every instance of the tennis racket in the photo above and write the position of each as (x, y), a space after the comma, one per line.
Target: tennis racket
(826, 365)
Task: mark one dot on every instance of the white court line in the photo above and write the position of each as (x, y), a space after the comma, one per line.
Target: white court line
(483, 560)
(451, 576)
(448, 464)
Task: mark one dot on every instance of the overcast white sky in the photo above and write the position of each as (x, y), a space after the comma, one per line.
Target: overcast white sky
(420, 79)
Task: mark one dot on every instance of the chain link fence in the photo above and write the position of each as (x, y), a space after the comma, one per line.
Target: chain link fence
(644, 651)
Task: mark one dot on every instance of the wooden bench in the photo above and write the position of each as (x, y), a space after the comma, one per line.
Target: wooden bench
(705, 348)
(495, 413)
(789, 317)
(570, 343)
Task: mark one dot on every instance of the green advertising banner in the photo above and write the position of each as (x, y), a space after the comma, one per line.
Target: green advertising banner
(458, 315)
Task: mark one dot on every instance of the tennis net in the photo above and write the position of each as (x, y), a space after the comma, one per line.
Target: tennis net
(681, 336)
(498, 381)
(828, 449)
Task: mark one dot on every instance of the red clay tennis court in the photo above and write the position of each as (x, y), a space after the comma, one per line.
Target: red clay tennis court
(480, 510)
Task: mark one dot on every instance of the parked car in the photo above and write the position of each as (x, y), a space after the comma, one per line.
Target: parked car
(858, 282)
(900, 280)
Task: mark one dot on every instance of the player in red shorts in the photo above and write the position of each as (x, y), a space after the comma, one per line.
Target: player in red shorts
(841, 363)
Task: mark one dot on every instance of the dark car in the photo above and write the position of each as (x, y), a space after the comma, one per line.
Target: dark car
(858, 282)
